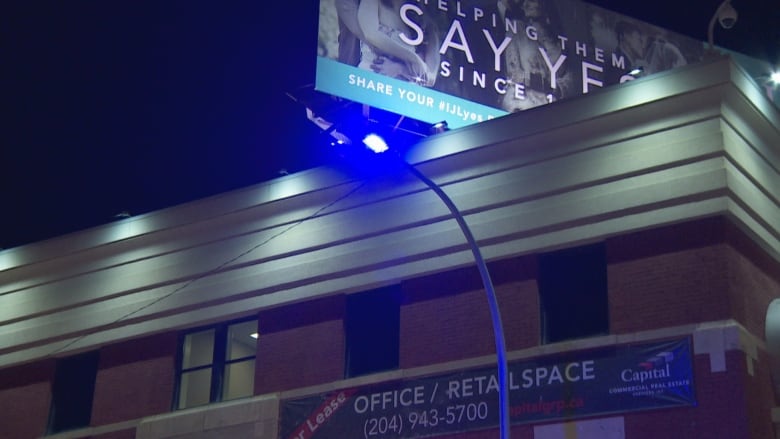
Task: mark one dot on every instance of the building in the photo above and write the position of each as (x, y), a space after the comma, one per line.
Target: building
(637, 217)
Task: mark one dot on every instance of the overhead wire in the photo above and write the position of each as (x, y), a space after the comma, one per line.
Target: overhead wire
(216, 269)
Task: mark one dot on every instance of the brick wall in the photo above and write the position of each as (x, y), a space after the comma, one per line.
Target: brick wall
(459, 326)
(135, 379)
(25, 396)
(750, 291)
(689, 273)
(300, 345)
(687, 286)
(446, 316)
(760, 396)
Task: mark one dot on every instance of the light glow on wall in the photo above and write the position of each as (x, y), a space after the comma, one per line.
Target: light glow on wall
(8, 259)
(128, 228)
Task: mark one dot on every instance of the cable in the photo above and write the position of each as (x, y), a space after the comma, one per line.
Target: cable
(214, 270)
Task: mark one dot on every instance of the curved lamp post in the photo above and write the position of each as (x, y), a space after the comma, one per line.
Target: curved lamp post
(377, 144)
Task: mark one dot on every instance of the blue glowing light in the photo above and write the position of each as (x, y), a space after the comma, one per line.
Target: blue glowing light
(375, 143)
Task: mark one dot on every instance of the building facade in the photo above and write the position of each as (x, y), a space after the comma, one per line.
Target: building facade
(633, 225)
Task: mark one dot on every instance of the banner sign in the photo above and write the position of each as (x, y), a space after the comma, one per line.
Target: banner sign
(561, 387)
(465, 61)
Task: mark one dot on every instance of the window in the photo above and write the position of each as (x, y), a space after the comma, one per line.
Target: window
(372, 325)
(573, 293)
(217, 364)
(72, 392)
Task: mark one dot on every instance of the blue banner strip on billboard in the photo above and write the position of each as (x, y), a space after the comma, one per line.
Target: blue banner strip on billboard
(566, 386)
(399, 96)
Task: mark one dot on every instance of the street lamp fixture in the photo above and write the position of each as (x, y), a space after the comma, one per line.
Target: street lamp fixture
(375, 143)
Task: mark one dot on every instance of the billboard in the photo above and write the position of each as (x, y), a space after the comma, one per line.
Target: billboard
(615, 379)
(465, 61)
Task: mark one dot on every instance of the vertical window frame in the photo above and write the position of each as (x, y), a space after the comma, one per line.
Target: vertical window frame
(218, 364)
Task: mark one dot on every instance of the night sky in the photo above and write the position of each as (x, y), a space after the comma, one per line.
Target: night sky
(134, 106)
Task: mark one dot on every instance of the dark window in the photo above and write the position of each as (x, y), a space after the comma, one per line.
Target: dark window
(573, 293)
(72, 392)
(217, 364)
(372, 325)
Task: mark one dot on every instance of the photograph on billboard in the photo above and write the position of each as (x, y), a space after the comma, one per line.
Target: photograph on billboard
(468, 61)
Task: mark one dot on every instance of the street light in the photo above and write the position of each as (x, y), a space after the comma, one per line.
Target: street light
(323, 117)
(377, 144)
